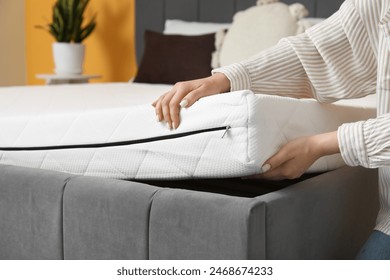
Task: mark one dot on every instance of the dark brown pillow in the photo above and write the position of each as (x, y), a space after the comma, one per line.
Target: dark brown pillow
(169, 59)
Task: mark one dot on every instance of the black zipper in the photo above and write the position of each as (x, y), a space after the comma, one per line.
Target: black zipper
(119, 143)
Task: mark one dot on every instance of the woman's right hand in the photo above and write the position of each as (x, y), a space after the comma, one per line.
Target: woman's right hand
(184, 94)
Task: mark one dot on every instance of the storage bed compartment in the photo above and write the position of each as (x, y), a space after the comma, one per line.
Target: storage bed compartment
(51, 215)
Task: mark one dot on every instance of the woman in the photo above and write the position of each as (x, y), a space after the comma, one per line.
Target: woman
(346, 56)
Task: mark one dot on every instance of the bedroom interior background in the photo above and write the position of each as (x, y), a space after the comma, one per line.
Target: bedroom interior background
(12, 43)
(109, 51)
(26, 51)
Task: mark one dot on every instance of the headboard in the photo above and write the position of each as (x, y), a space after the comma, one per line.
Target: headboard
(151, 14)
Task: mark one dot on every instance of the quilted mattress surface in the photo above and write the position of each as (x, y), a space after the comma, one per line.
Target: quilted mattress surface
(110, 130)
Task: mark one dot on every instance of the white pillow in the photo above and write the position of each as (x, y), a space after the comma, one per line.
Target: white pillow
(181, 27)
(258, 28)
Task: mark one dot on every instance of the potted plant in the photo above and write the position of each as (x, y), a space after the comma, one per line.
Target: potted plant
(69, 31)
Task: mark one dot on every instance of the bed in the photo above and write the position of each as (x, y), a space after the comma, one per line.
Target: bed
(48, 214)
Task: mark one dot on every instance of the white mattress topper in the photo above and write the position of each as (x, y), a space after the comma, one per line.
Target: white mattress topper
(57, 116)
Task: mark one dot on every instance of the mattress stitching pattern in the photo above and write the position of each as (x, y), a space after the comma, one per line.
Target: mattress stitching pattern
(141, 164)
(177, 166)
(43, 160)
(89, 163)
(117, 127)
(69, 129)
(198, 161)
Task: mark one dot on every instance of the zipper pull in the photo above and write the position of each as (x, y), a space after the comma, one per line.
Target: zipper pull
(226, 131)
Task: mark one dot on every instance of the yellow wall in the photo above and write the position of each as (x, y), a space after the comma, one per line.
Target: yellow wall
(12, 48)
(109, 50)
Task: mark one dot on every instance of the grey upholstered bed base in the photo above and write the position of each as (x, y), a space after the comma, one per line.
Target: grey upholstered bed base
(50, 215)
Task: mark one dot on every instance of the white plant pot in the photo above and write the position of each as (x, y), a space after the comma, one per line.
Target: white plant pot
(68, 58)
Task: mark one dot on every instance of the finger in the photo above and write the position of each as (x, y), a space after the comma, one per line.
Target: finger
(278, 159)
(158, 109)
(174, 111)
(182, 99)
(165, 108)
(279, 173)
(166, 116)
(177, 102)
(273, 175)
(272, 167)
(154, 104)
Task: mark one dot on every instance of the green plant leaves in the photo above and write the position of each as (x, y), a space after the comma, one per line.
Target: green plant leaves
(67, 21)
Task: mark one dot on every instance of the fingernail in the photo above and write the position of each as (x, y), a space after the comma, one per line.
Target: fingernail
(174, 125)
(184, 103)
(265, 167)
(157, 118)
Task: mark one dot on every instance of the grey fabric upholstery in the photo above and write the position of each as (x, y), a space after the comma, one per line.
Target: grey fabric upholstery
(326, 217)
(196, 225)
(31, 213)
(51, 215)
(106, 219)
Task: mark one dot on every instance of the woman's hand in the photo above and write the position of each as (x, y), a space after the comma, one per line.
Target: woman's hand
(294, 158)
(184, 94)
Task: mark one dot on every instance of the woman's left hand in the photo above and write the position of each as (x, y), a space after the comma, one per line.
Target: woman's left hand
(294, 158)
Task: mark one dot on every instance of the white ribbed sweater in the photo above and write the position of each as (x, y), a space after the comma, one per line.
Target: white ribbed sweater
(346, 56)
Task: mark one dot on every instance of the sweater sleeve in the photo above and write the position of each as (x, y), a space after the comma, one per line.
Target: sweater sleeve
(366, 143)
(332, 60)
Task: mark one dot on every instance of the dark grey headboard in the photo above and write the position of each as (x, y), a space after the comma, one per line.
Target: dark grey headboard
(151, 14)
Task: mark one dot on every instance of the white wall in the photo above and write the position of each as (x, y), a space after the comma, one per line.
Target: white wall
(12, 43)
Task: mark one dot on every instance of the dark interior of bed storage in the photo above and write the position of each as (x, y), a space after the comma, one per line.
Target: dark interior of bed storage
(229, 186)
